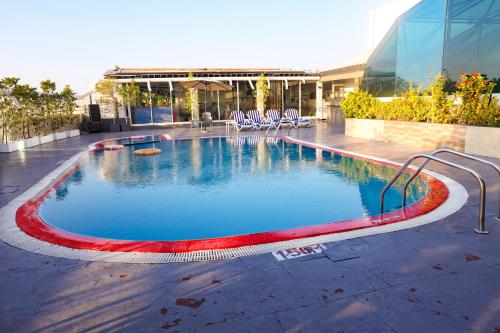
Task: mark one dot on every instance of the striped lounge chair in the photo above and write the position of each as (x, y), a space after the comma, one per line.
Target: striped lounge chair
(254, 116)
(241, 122)
(297, 121)
(275, 117)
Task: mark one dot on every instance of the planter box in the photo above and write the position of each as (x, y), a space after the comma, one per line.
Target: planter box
(124, 127)
(46, 138)
(365, 128)
(428, 136)
(11, 146)
(31, 142)
(483, 141)
(114, 127)
(72, 133)
(59, 135)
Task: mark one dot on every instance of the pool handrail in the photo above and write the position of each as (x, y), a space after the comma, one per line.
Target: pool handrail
(450, 151)
(482, 185)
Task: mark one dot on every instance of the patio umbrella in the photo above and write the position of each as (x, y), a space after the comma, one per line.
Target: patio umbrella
(207, 86)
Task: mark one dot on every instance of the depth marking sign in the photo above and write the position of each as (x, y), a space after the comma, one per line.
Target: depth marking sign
(298, 252)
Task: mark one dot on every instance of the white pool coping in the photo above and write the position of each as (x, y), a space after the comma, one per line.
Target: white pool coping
(11, 234)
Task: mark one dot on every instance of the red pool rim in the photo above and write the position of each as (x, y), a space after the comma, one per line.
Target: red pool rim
(30, 222)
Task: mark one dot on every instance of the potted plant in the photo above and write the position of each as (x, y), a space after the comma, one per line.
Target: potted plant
(129, 94)
(8, 114)
(192, 103)
(107, 89)
(261, 93)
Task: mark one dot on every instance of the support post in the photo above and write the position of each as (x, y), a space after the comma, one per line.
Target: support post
(237, 95)
(218, 105)
(150, 101)
(300, 98)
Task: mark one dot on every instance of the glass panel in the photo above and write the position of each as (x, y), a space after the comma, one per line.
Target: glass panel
(246, 96)
(274, 99)
(210, 99)
(309, 99)
(380, 70)
(179, 101)
(412, 47)
(227, 102)
(141, 113)
(473, 43)
(162, 111)
(420, 44)
(292, 95)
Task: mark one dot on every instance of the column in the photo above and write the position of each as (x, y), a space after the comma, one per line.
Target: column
(319, 99)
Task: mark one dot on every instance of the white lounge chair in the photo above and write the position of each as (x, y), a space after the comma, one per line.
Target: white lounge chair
(296, 121)
(241, 121)
(259, 123)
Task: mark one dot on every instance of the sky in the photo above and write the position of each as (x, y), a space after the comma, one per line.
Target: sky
(75, 42)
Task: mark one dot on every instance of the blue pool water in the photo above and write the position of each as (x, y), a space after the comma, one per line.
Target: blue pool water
(216, 187)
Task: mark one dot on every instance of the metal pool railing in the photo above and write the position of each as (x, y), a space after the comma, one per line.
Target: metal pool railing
(481, 229)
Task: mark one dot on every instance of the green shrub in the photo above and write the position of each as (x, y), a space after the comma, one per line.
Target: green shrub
(477, 107)
(359, 104)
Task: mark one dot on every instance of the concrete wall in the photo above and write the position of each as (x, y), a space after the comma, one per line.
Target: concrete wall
(483, 141)
(428, 136)
(365, 128)
(425, 135)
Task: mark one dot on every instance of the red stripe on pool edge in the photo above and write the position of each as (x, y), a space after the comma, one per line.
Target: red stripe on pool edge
(28, 220)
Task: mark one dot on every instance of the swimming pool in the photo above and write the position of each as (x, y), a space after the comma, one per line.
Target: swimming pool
(208, 194)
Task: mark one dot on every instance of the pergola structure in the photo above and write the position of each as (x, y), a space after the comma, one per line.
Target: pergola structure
(170, 78)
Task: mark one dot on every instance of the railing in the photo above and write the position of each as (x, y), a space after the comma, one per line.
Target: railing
(445, 150)
(481, 229)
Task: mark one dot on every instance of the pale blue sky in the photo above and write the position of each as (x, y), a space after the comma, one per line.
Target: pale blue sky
(74, 42)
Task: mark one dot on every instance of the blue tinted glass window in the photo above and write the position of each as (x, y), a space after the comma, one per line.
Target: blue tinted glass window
(380, 70)
(420, 44)
(473, 39)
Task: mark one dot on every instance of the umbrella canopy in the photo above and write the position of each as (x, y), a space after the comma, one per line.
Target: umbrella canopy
(206, 85)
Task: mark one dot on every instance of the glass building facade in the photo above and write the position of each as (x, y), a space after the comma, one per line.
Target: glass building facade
(436, 36)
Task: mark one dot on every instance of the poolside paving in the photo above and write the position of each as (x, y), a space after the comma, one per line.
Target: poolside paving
(440, 277)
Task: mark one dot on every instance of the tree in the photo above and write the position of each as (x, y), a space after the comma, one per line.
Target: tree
(192, 104)
(68, 105)
(48, 100)
(129, 94)
(261, 93)
(107, 88)
(29, 108)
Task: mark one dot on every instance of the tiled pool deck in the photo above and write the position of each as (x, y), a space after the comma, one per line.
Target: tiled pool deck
(441, 277)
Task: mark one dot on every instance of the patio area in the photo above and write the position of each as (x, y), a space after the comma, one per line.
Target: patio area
(441, 277)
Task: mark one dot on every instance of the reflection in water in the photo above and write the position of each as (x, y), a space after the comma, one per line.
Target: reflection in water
(212, 162)
(75, 178)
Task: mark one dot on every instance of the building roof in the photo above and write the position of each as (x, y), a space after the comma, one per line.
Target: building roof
(344, 70)
(201, 72)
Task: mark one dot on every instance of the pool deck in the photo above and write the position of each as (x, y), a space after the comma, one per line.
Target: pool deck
(440, 277)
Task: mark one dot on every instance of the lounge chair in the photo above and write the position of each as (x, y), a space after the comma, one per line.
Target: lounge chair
(241, 122)
(275, 117)
(297, 121)
(254, 116)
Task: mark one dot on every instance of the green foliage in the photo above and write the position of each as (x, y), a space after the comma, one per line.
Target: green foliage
(191, 96)
(261, 92)
(477, 107)
(360, 104)
(36, 113)
(108, 89)
(129, 92)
